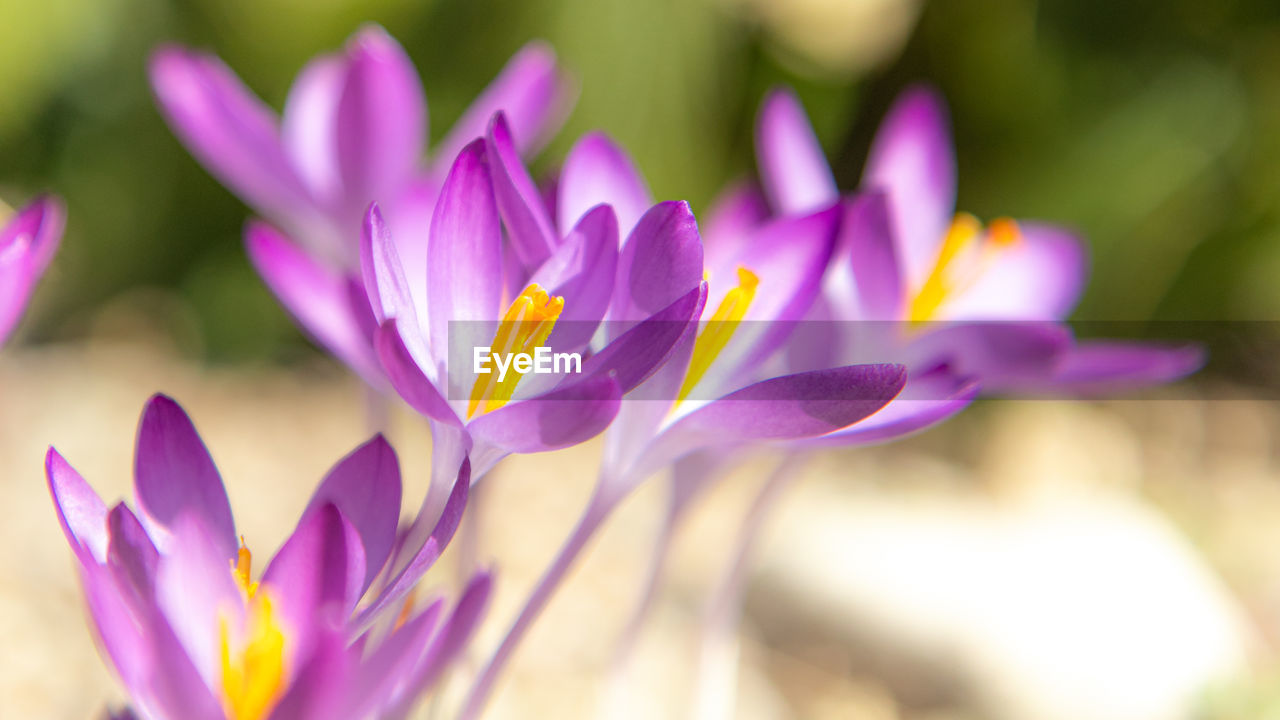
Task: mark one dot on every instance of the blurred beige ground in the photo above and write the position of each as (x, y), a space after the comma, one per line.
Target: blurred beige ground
(1030, 560)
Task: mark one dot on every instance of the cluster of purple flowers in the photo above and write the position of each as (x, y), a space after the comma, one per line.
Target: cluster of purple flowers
(792, 314)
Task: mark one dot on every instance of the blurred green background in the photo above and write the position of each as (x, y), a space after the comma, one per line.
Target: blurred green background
(1151, 125)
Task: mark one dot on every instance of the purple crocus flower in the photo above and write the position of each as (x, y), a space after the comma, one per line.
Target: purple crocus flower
(353, 131)
(714, 389)
(28, 242)
(194, 634)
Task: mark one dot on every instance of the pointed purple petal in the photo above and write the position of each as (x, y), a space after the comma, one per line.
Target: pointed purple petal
(732, 218)
(660, 262)
(532, 235)
(926, 400)
(130, 551)
(464, 250)
(582, 271)
(599, 171)
(173, 474)
(407, 376)
(636, 354)
(317, 573)
(316, 296)
(321, 683)
(911, 159)
(27, 244)
(566, 416)
(81, 512)
(999, 354)
(1095, 368)
(530, 91)
(309, 125)
(387, 667)
(793, 169)
(876, 277)
(1038, 277)
(227, 129)
(365, 487)
(426, 554)
(382, 119)
(454, 636)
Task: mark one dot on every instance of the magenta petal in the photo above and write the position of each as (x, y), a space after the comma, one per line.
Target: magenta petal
(316, 296)
(582, 271)
(565, 416)
(926, 400)
(382, 119)
(365, 487)
(228, 129)
(661, 261)
(793, 169)
(27, 244)
(530, 91)
(1038, 277)
(639, 352)
(532, 235)
(81, 512)
(426, 555)
(868, 236)
(407, 376)
(130, 551)
(792, 406)
(732, 218)
(1001, 355)
(173, 474)
(599, 171)
(309, 125)
(911, 159)
(464, 260)
(454, 636)
(1106, 367)
(383, 671)
(318, 572)
(321, 683)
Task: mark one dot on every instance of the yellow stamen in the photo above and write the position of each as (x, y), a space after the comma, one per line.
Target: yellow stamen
(242, 571)
(719, 329)
(525, 327)
(253, 678)
(942, 282)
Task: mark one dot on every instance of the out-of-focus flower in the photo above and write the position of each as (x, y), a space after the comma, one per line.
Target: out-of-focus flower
(194, 634)
(353, 131)
(28, 242)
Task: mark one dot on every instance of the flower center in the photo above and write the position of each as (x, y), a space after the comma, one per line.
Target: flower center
(719, 329)
(523, 328)
(967, 249)
(253, 676)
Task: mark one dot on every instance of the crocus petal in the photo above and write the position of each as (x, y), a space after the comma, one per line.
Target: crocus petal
(81, 512)
(926, 400)
(411, 218)
(382, 119)
(1107, 367)
(533, 237)
(1002, 355)
(874, 272)
(530, 91)
(174, 475)
(464, 252)
(365, 487)
(27, 244)
(130, 551)
(582, 272)
(453, 638)
(196, 592)
(1038, 277)
(661, 261)
(636, 354)
(384, 278)
(387, 667)
(793, 169)
(911, 159)
(599, 171)
(317, 574)
(228, 129)
(566, 416)
(425, 555)
(407, 376)
(308, 126)
(321, 683)
(732, 217)
(792, 406)
(315, 295)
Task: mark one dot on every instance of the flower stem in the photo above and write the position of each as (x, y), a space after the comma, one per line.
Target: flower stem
(715, 684)
(601, 505)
